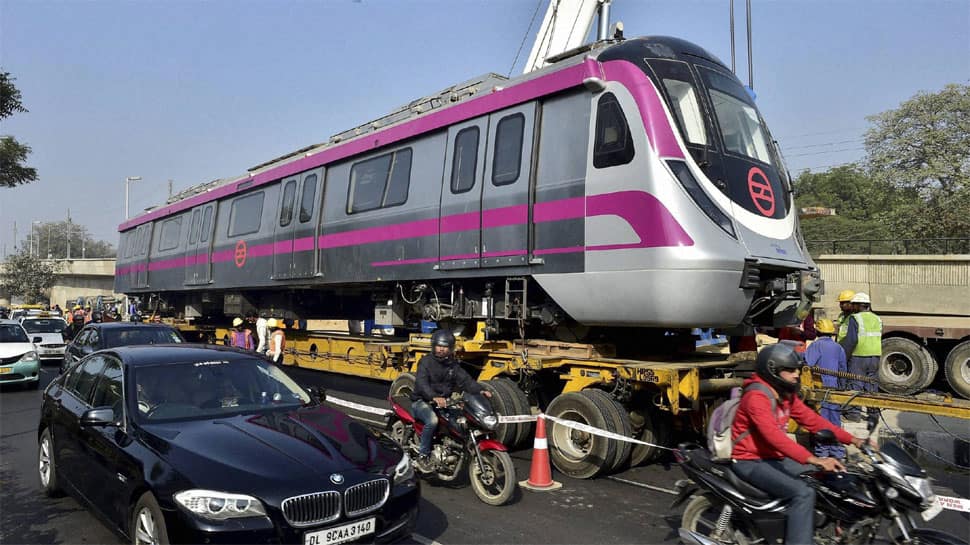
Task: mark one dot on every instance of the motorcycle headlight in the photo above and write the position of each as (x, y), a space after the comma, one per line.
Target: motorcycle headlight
(490, 421)
(29, 357)
(403, 470)
(922, 486)
(214, 505)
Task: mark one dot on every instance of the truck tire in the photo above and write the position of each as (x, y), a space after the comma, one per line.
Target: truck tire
(525, 431)
(904, 366)
(654, 427)
(578, 454)
(620, 424)
(957, 369)
(504, 404)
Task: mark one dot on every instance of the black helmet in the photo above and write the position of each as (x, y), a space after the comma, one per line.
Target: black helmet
(443, 337)
(773, 359)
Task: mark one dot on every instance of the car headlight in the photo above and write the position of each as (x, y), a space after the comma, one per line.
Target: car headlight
(490, 421)
(403, 470)
(921, 485)
(29, 357)
(219, 505)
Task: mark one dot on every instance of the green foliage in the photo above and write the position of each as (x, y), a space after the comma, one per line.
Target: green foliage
(52, 238)
(13, 172)
(28, 277)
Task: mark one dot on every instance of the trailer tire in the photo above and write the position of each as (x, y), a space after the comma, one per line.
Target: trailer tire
(957, 369)
(520, 405)
(904, 366)
(620, 424)
(578, 454)
(656, 429)
(402, 385)
(504, 404)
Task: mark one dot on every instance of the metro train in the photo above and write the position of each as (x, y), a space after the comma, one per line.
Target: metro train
(629, 184)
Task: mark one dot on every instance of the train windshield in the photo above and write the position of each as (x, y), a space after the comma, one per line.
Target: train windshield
(741, 128)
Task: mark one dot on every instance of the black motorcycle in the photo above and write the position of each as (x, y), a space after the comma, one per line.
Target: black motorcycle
(464, 436)
(850, 506)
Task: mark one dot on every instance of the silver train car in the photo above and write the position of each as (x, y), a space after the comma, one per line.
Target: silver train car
(630, 184)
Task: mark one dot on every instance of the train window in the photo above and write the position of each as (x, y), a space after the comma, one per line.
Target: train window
(286, 206)
(507, 159)
(380, 182)
(246, 215)
(614, 144)
(465, 160)
(678, 82)
(194, 230)
(171, 229)
(206, 224)
(308, 197)
(741, 128)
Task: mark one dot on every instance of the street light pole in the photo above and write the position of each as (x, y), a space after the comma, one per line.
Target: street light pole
(128, 180)
(33, 237)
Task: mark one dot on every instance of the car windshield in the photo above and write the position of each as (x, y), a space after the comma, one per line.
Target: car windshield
(45, 325)
(12, 333)
(211, 389)
(139, 335)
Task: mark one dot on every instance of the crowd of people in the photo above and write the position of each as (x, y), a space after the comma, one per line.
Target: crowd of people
(263, 335)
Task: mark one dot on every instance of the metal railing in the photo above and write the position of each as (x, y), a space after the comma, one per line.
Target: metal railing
(920, 246)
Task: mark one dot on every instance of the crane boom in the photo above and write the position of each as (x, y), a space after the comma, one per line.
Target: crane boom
(565, 26)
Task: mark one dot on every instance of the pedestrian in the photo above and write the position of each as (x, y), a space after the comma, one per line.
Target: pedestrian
(845, 309)
(262, 333)
(277, 341)
(133, 310)
(827, 354)
(240, 336)
(77, 321)
(88, 315)
(863, 346)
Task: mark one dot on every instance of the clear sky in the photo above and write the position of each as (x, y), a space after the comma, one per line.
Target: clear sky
(191, 91)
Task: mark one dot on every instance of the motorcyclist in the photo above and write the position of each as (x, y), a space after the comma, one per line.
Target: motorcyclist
(765, 456)
(439, 376)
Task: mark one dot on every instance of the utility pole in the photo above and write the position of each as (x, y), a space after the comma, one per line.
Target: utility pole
(68, 233)
(170, 189)
(14, 236)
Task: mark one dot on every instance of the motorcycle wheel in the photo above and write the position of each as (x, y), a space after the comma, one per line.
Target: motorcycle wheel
(700, 516)
(496, 485)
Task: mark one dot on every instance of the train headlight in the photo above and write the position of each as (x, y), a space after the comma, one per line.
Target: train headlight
(686, 179)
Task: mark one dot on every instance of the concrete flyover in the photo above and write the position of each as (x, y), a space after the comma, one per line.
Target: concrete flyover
(87, 278)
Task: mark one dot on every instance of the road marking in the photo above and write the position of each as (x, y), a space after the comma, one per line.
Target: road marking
(647, 486)
(423, 540)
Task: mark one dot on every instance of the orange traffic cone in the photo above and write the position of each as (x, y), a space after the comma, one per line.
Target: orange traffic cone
(540, 474)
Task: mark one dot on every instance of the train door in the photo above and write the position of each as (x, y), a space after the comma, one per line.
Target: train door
(191, 248)
(203, 256)
(144, 245)
(460, 225)
(505, 187)
(283, 233)
(305, 230)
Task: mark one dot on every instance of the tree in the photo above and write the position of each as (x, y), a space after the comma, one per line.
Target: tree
(13, 172)
(28, 277)
(53, 237)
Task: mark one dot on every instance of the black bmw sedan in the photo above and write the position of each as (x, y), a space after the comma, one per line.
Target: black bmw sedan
(204, 444)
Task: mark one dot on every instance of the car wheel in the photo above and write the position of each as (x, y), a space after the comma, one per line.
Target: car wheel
(147, 522)
(45, 465)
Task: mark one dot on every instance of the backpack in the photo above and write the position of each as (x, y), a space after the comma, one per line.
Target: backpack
(722, 419)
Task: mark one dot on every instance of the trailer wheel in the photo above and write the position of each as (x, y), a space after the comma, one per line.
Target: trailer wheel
(576, 453)
(520, 405)
(653, 426)
(957, 369)
(504, 404)
(904, 366)
(403, 385)
(620, 421)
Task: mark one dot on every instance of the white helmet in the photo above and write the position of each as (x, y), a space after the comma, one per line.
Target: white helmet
(861, 297)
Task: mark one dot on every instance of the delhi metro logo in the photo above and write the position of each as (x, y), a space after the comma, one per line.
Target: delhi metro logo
(240, 256)
(761, 193)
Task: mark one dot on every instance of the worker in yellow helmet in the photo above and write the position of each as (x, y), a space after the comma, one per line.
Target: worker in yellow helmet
(240, 336)
(845, 308)
(277, 340)
(827, 354)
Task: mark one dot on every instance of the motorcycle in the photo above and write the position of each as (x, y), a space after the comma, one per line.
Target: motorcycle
(463, 437)
(850, 506)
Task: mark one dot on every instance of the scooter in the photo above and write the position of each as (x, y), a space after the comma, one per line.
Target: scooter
(464, 436)
(850, 507)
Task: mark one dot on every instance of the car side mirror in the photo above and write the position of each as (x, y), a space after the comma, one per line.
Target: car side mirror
(825, 437)
(36, 340)
(99, 417)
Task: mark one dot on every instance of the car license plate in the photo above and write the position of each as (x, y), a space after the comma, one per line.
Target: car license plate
(6, 369)
(932, 511)
(340, 534)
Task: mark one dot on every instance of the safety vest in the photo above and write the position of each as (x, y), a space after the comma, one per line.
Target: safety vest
(870, 334)
(842, 324)
(242, 339)
(272, 343)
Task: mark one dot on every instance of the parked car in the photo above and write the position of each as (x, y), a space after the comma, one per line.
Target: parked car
(19, 363)
(206, 444)
(98, 336)
(52, 332)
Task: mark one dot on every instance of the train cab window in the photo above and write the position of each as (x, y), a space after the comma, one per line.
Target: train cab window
(246, 214)
(741, 129)
(206, 224)
(507, 159)
(171, 229)
(380, 182)
(465, 160)
(286, 205)
(614, 144)
(308, 198)
(682, 97)
(194, 230)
